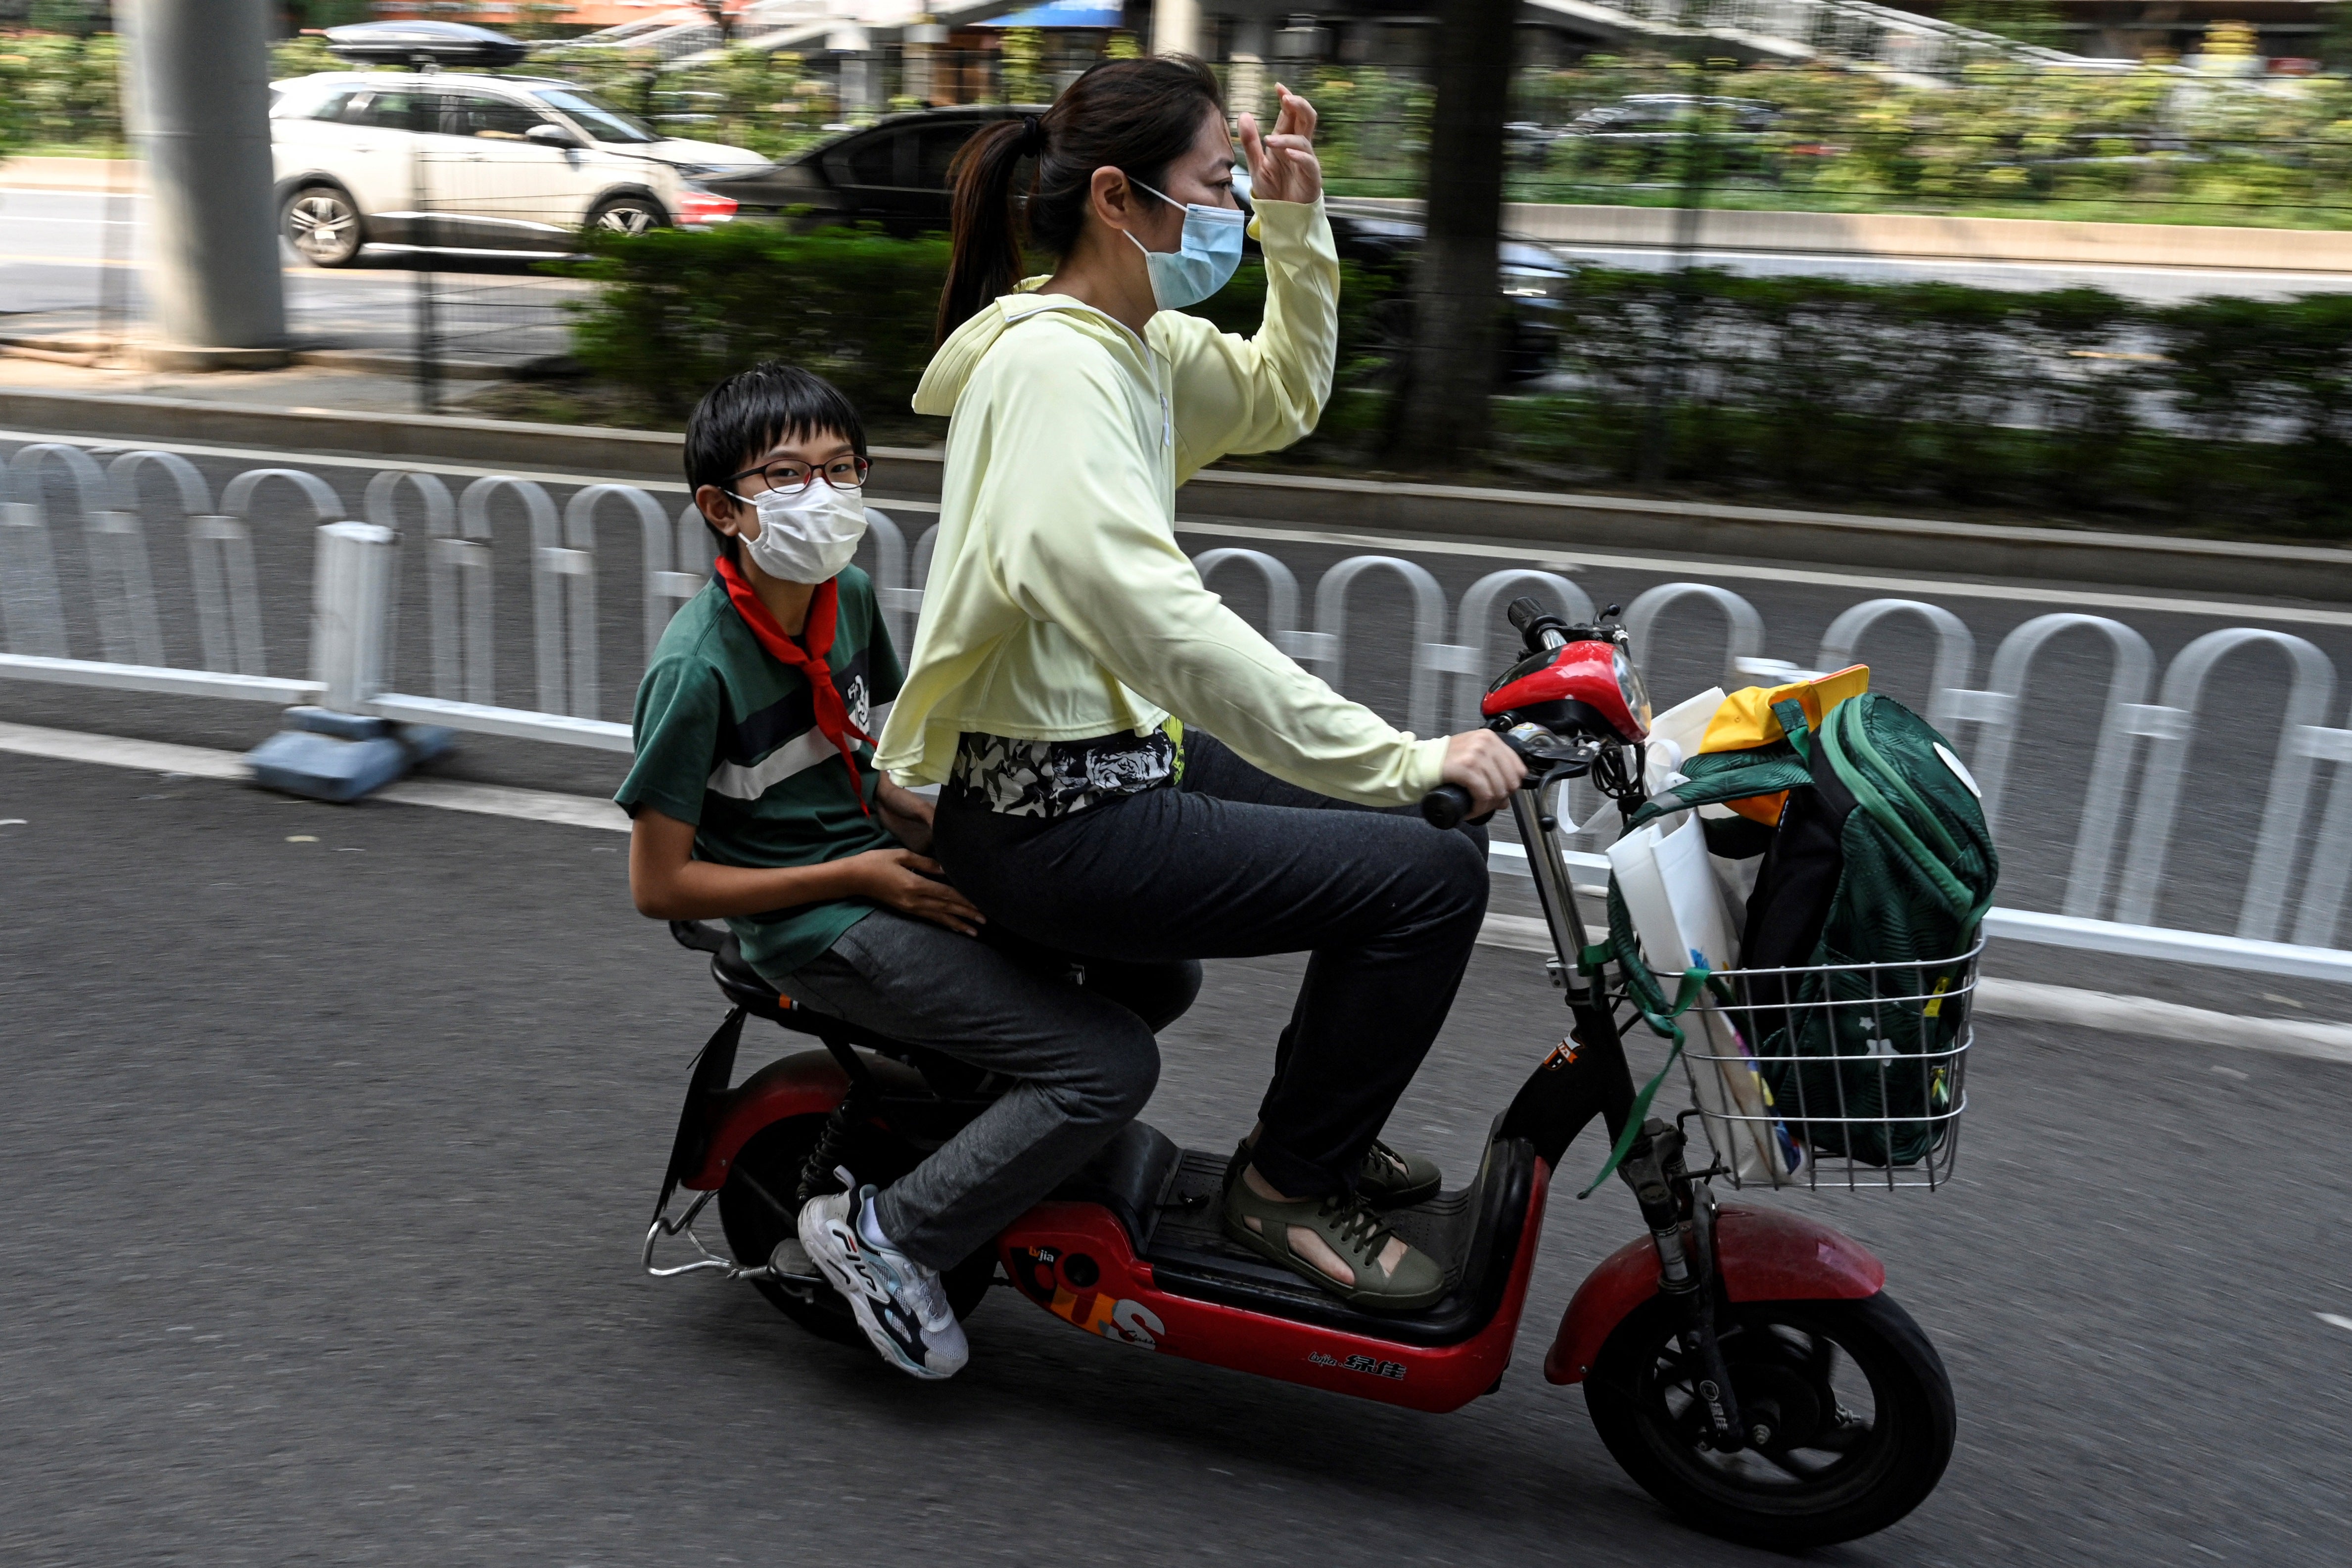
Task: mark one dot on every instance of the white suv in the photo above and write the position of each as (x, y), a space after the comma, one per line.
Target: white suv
(476, 163)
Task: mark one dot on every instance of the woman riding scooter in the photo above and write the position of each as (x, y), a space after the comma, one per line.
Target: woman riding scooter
(1071, 669)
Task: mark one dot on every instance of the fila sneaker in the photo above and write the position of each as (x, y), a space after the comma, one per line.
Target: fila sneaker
(901, 1305)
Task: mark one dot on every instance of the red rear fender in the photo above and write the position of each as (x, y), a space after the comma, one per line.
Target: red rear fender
(803, 1084)
(1766, 1255)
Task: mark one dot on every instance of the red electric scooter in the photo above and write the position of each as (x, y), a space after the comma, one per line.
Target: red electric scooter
(1742, 1363)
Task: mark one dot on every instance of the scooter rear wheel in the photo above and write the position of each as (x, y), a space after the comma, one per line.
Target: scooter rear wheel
(1848, 1409)
(757, 1210)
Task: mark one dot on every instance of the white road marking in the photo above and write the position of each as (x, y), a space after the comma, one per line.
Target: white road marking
(2334, 1319)
(2004, 998)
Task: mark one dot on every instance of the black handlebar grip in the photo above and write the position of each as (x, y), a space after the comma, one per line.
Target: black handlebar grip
(1447, 806)
(1524, 613)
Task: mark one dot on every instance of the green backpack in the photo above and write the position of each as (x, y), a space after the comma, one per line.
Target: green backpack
(1880, 855)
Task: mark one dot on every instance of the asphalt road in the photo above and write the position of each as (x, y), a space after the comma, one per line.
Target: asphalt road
(69, 257)
(332, 1130)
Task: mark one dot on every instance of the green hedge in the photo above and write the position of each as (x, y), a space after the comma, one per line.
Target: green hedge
(677, 310)
(2215, 415)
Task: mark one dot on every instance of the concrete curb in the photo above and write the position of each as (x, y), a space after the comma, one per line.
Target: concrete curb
(1698, 529)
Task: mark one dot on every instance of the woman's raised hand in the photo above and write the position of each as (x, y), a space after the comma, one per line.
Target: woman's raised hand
(1283, 166)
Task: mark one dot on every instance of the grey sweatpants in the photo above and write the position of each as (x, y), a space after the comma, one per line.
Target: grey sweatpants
(1084, 1053)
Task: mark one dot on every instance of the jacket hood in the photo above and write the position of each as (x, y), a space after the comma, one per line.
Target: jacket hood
(952, 366)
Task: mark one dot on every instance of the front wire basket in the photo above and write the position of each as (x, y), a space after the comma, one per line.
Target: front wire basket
(1847, 1075)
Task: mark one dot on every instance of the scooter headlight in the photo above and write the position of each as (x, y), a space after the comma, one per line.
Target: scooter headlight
(1637, 696)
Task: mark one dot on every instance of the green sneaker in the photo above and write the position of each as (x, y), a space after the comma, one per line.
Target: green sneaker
(1350, 1227)
(1386, 1179)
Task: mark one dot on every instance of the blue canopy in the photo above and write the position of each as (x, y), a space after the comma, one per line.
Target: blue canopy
(1063, 13)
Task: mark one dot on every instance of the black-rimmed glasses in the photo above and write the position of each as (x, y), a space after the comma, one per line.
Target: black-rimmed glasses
(788, 475)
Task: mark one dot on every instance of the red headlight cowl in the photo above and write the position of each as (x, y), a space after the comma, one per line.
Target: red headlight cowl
(1581, 672)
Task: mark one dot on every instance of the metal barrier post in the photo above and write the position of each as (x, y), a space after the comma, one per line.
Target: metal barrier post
(233, 535)
(548, 561)
(29, 602)
(1281, 598)
(1747, 640)
(351, 588)
(381, 505)
(1996, 709)
(1956, 647)
(1428, 632)
(1475, 622)
(666, 589)
(335, 751)
(2311, 686)
(126, 522)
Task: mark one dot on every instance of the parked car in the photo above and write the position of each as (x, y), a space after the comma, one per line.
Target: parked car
(475, 162)
(894, 173)
(1653, 126)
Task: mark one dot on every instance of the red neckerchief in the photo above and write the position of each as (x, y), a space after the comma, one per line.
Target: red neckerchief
(824, 607)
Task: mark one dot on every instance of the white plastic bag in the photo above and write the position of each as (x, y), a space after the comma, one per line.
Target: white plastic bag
(1676, 904)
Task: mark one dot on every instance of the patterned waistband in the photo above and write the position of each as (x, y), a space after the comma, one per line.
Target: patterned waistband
(1058, 778)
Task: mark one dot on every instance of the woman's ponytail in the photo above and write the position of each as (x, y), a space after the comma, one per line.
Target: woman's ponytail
(1139, 116)
(986, 260)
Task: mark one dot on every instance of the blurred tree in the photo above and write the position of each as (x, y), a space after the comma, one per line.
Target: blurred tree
(74, 18)
(1024, 51)
(1443, 413)
(2027, 21)
(303, 15)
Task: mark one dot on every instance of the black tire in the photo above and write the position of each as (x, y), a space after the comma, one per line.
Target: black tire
(323, 225)
(626, 215)
(1826, 1473)
(757, 1210)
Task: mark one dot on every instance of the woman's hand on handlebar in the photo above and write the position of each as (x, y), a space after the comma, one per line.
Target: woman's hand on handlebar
(1480, 762)
(912, 884)
(1283, 165)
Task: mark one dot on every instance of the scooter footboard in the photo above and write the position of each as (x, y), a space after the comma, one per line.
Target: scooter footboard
(1076, 1260)
(1763, 1255)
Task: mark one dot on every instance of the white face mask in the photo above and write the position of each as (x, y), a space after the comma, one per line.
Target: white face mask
(810, 536)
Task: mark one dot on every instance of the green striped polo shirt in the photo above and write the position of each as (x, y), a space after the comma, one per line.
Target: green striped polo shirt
(727, 740)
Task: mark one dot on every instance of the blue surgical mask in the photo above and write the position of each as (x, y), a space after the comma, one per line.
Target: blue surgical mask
(1203, 262)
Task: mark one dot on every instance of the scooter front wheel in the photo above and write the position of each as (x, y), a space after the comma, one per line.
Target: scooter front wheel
(757, 1208)
(1849, 1415)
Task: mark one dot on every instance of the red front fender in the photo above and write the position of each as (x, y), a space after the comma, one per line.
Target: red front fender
(804, 1083)
(1764, 1254)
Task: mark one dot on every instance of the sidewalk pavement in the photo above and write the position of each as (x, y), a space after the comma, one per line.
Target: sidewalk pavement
(358, 385)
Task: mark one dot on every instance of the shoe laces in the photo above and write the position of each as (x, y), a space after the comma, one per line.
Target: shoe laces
(918, 1286)
(1359, 1229)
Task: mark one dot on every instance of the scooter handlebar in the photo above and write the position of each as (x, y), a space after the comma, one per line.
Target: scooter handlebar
(1446, 806)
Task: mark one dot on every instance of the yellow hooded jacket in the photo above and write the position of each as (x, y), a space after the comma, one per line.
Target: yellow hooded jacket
(1058, 605)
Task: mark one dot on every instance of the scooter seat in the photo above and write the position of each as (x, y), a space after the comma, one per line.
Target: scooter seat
(747, 988)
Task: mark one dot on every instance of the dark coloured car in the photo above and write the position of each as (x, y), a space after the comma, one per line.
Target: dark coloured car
(895, 173)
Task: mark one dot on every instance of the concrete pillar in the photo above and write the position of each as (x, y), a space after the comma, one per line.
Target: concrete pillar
(1245, 82)
(199, 108)
(1175, 27)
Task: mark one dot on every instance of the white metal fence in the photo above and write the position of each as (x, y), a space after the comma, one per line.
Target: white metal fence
(2118, 858)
